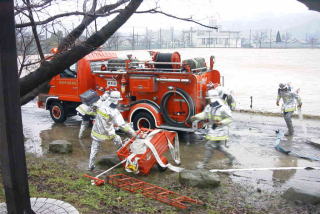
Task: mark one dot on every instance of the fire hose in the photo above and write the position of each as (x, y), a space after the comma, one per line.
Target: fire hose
(132, 163)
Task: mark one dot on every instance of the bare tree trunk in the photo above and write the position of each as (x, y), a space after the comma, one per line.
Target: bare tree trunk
(30, 83)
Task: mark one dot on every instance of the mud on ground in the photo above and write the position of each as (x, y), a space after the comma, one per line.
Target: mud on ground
(251, 142)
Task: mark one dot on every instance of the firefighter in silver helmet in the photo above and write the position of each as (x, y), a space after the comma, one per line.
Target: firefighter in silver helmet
(291, 100)
(107, 117)
(88, 112)
(226, 96)
(219, 117)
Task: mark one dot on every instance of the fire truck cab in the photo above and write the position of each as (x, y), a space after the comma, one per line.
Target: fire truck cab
(163, 92)
(65, 88)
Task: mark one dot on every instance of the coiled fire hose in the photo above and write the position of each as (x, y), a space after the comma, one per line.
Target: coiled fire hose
(132, 163)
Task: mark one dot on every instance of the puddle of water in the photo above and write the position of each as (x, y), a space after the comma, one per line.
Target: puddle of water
(251, 142)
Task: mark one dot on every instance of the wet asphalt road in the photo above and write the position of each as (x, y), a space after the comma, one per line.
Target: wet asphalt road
(252, 140)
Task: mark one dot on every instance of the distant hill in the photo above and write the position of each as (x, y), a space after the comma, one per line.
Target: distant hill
(298, 25)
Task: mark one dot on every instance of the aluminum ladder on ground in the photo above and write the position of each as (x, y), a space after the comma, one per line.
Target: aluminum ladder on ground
(151, 191)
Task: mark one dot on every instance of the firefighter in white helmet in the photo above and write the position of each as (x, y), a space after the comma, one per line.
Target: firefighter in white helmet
(219, 117)
(88, 112)
(226, 96)
(103, 128)
(291, 100)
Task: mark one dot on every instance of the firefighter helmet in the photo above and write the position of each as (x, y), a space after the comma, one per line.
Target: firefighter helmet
(212, 93)
(115, 97)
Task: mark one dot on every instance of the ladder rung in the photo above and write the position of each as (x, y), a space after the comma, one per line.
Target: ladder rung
(123, 179)
(133, 184)
(149, 188)
(179, 198)
(162, 193)
(152, 191)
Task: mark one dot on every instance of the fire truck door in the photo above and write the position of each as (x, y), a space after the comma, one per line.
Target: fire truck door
(67, 84)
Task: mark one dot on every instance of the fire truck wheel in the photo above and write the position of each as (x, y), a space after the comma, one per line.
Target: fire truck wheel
(57, 112)
(143, 119)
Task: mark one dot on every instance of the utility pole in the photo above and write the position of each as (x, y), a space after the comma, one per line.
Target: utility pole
(133, 38)
(172, 37)
(250, 39)
(137, 46)
(209, 38)
(190, 37)
(13, 160)
(160, 39)
(270, 37)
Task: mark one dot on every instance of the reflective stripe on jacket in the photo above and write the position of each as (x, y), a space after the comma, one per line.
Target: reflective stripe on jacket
(106, 119)
(290, 100)
(212, 114)
(83, 109)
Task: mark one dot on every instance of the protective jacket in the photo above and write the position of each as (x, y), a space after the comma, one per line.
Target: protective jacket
(84, 109)
(290, 100)
(216, 112)
(107, 117)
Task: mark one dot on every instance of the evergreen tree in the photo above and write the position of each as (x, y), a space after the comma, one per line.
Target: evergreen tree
(278, 39)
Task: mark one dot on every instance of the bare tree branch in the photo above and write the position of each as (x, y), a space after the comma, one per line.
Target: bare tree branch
(34, 30)
(102, 12)
(155, 11)
(45, 3)
(48, 69)
(75, 33)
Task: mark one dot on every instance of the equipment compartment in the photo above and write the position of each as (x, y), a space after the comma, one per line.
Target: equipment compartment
(142, 84)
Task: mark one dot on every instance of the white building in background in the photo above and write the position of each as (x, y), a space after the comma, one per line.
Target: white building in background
(217, 39)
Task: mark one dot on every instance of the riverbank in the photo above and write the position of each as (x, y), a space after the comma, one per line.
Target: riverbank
(53, 178)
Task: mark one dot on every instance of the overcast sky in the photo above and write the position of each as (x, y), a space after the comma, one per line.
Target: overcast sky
(238, 15)
(221, 10)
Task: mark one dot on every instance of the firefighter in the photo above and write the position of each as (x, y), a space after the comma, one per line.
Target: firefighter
(107, 117)
(88, 112)
(291, 100)
(219, 116)
(226, 96)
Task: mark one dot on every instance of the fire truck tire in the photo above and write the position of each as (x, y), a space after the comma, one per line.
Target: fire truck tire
(164, 110)
(143, 119)
(57, 112)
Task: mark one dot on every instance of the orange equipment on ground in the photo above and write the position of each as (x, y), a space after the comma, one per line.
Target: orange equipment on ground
(143, 152)
(163, 92)
(151, 191)
(148, 190)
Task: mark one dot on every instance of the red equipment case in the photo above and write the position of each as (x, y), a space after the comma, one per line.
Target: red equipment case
(147, 160)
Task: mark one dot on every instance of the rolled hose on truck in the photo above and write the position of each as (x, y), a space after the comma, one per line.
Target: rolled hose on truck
(164, 111)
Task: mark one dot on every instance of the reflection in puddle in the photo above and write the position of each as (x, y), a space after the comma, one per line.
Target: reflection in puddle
(250, 142)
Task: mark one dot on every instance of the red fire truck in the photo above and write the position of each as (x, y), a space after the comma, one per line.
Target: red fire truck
(163, 92)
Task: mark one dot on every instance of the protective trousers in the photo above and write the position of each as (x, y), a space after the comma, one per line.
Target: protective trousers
(83, 127)
(211, 146)
(287, 117)
(95, 145)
